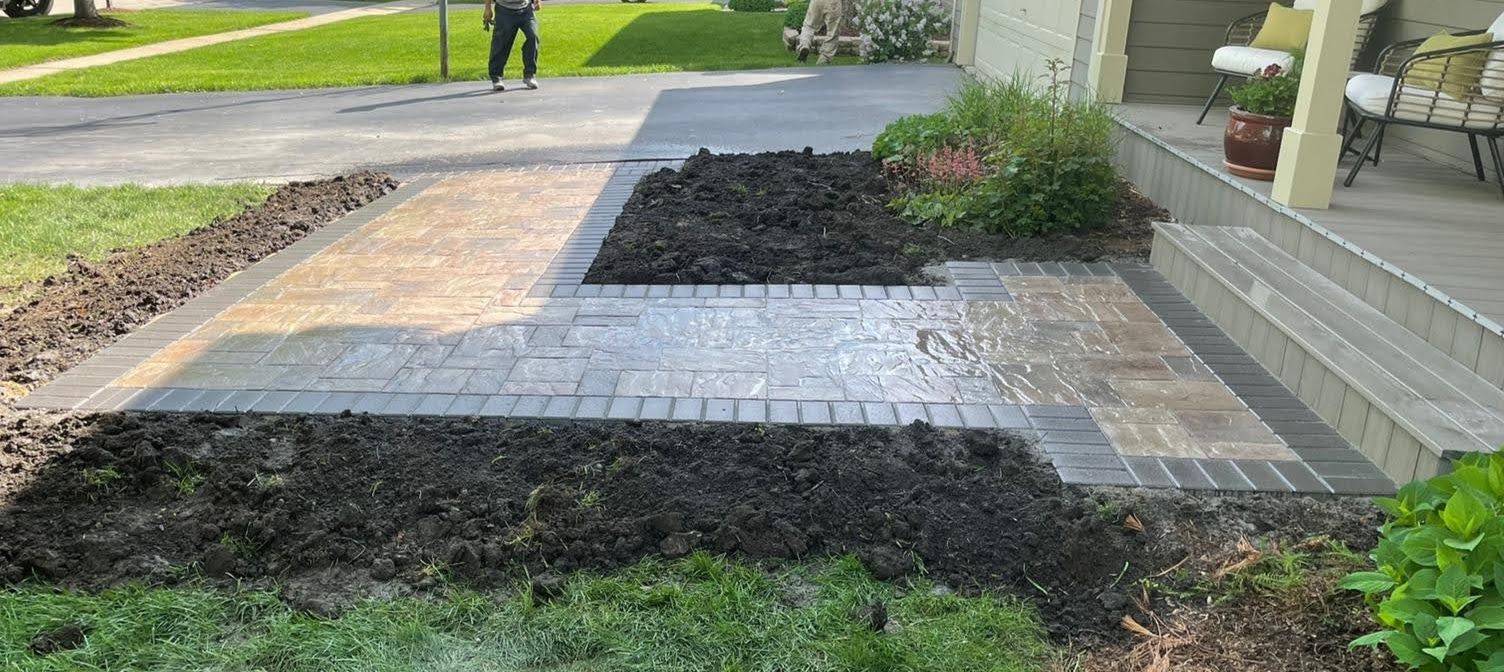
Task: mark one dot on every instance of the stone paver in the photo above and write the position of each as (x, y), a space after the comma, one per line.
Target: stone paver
(465, 299)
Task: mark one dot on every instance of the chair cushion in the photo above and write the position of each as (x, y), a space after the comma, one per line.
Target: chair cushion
(1284, 29)
(1371, 92)
(1456, 76)
(1249, 61)
(1369, 6)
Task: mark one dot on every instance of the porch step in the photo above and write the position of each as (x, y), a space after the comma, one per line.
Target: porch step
(1402, 402)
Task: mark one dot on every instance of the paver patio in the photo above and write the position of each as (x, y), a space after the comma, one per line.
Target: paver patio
(461, 295)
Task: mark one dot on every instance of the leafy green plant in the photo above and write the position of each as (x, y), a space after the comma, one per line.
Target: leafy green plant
(1273, 92)
(793, 17)
(1438, 590)
(1047, 159)
(752, 5)
(909, 138)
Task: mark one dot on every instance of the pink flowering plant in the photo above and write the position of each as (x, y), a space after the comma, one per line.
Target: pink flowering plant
(899, 30)
(1008, 157)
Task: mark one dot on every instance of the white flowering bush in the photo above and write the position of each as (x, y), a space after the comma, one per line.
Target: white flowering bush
(899, 30)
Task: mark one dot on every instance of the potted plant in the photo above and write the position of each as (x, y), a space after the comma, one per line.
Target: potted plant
(1257, 123)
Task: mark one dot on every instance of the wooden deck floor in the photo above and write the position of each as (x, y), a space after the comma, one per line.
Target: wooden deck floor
(1430, 219)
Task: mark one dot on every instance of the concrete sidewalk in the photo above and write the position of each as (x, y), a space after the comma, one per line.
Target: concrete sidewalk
(172, 46)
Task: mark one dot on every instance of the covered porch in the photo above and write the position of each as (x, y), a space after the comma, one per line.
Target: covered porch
(1377, 304)
(1429, 222)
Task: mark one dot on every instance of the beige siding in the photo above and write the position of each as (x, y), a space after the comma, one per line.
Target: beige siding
(1170, 45)
(1406, 19)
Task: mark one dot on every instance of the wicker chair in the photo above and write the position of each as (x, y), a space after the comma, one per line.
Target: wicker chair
(1237, 59)
(1393, 97)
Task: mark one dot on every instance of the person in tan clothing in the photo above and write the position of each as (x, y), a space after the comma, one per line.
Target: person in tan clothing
(827, 16)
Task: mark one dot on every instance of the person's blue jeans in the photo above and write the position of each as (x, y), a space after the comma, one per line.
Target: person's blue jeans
(508, 22)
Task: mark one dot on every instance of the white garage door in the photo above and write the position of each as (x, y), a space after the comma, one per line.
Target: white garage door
(1018, 36)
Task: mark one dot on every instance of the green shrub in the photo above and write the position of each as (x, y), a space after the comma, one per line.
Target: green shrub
(1046, 160)
(906, 139)
(1273, 92)
(793, 17)
(1438, 591)
(752, 5)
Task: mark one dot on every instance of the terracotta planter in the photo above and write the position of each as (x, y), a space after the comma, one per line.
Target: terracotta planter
(1251, 144)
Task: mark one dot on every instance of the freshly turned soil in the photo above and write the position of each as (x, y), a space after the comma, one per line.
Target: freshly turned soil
(798, 217)
(344, 507)
(91, 305)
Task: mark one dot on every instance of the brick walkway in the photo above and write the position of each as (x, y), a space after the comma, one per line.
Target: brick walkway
(461, 295)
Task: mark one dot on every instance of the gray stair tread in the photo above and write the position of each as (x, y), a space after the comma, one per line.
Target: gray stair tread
(1439, 401)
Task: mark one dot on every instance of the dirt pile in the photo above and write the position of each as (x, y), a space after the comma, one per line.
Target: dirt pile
(377, 500)
(345, 507)
(93, 304)
(798, 217)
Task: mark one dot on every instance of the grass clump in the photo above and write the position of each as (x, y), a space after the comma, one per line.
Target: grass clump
(40, 225)
(34, 39)
(401, 49)
(697, 613)
(1009, 157)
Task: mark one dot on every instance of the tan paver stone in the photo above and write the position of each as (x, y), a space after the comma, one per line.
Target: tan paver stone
(1144, 337)
(1247, 451)
(1189, 395)
(1226, 427)
(1190, 368)
(1151, 440)
(1142, 416)
(1049, 384)
(425, 380)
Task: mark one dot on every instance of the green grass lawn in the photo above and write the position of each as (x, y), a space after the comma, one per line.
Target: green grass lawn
(35, 40)
(403, 49)
(41, 225)
(695, 614)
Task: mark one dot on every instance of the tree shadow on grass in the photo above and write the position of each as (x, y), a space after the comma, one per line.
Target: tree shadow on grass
(40, 32)
(677, 40)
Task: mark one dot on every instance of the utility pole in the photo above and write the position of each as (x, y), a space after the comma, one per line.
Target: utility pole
(444, 40)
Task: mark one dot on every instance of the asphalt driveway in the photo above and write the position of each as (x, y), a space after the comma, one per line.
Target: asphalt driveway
(276, 136)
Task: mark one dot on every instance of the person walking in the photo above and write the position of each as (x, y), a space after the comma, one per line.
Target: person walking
(826, 15)
(512, 16)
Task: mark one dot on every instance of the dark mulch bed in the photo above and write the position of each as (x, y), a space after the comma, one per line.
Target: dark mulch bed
(792, 217)
(93, 304)
(342, 507)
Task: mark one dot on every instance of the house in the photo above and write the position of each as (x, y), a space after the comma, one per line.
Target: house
(1380, 305)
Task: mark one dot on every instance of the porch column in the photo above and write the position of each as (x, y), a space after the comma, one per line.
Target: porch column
(966, 32)
(1109, 46)
(1311, 146)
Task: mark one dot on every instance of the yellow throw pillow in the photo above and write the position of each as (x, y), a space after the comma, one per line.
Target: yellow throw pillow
(1284, 29)
(1463, 71)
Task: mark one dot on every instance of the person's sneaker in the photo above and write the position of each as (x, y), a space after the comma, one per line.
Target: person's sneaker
(803, 54)
(530, 82)
(498, 85)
